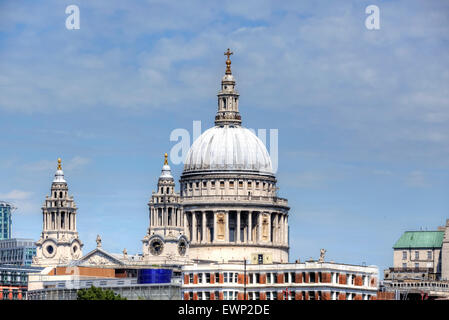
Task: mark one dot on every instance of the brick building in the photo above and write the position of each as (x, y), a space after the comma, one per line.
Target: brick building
(289, 281)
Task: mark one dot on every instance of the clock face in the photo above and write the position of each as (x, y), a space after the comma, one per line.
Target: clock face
(156, 247)
(182, 247)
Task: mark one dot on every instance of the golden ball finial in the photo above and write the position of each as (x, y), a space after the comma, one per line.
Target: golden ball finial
(166, 159)
(59, 164)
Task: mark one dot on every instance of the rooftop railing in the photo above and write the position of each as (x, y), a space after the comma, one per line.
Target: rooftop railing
(231, 198)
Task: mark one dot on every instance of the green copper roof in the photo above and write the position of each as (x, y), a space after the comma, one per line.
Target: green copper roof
(420, 239)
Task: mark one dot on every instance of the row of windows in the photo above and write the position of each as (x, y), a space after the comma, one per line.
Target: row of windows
(272, 278)
(14, 244)
(61, 194)
(416, 265)
(54, 204)
(231, 184)
(166, 190)
(404, 255)
(274, 295)
(6, 294)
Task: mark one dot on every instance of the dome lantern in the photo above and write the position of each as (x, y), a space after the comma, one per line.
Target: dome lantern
(228, 98)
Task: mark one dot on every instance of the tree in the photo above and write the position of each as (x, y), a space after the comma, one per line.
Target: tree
(94, 293)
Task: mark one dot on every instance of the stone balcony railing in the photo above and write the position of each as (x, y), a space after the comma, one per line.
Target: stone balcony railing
(244, 199)
(418, 285)
(411, 270)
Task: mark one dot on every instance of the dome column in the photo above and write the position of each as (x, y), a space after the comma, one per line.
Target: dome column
(250, 226)
(276, 228)
(214, 214)
(186, 229)
(227, 227)
(203, 231)
(237, 240)
(193, 227)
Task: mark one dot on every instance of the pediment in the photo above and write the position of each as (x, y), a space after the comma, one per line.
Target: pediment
(99, 257)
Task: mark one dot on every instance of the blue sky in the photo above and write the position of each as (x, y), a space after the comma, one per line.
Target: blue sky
(363, 115)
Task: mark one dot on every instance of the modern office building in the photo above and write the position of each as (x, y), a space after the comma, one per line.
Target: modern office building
(19, 252)
(5, 220)
(14, 281)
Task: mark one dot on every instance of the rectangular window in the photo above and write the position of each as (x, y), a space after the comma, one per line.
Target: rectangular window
(268, 277)
(416, 265)
(190, 277)
(257, 184)
(404, 255)
(231, 184)
(249, 184)
(207, 293)
(207, 279)
(416, 255)
(429, 255)
(221, 184)
(204, 184)
(212, 183)
(217, 295)
(217, 277)
(225, 277)
(240, 184)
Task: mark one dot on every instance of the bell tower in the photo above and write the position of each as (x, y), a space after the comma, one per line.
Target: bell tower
(165, 242)
(59, 242)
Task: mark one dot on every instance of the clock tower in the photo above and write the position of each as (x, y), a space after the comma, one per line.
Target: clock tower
(59, 242)
(165, 242)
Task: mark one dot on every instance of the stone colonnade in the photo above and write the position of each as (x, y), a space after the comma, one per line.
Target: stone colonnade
(169, 216)
(59, 220)
(236, 226)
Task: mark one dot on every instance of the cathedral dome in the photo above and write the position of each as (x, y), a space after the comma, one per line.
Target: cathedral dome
(228, 148)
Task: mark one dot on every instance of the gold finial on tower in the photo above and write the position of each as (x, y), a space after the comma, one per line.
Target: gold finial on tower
(59, 164)
(228, 61)
(166, 160)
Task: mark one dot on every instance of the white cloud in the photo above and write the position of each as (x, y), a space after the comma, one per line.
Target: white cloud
(417, 179)
(16, 195)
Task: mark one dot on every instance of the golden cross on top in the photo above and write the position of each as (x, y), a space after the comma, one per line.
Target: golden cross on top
(228, 53)
(228, 61)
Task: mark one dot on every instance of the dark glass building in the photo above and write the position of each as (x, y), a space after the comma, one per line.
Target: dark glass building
(5, 220)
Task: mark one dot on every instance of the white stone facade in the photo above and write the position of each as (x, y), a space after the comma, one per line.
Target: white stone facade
(165, 242)
(59, 242)
(288, 281)
(228, 208)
